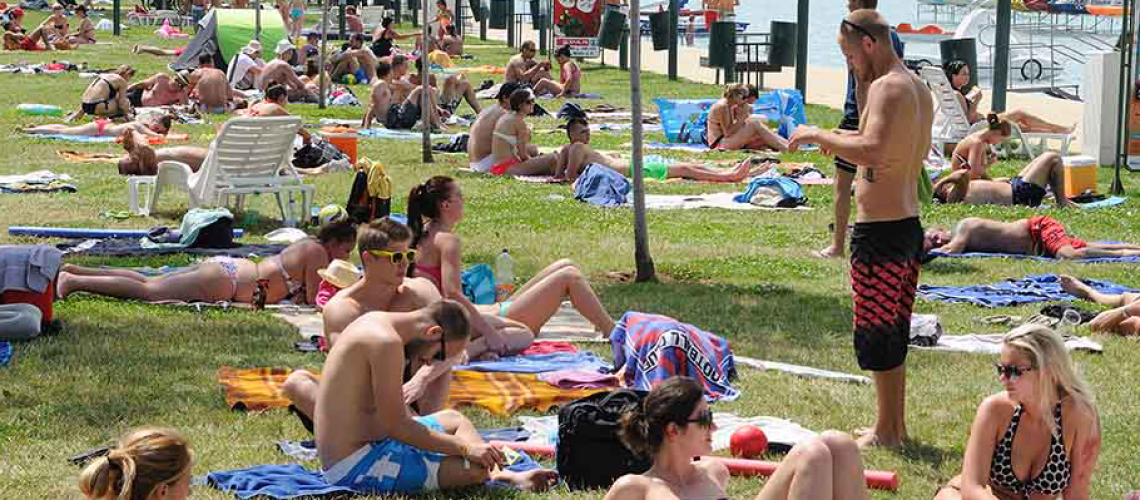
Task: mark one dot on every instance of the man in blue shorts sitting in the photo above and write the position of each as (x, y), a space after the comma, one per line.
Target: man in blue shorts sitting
(368, 440)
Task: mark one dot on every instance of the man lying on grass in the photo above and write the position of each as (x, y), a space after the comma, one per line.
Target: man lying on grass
(370, 442)
(1026, 189)
(1037, 235)
(141, 159)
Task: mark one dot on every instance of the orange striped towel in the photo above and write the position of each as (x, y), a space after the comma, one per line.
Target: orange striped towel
(158, 140)
(77, 157)
(254, 389)
(503, 393)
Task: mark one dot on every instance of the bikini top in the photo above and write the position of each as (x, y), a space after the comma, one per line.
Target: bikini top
(1053, 478)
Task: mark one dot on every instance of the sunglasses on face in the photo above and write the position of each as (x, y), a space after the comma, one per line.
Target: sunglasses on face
(860, 29)
(1011, 371)
(703, 419)
(397, 257)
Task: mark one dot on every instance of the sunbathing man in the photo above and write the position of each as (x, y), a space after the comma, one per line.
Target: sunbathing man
(15, 39)
(1123, 318)
(371, 443)
(456, 88)
(280, 71)
(576, 156)
(1037, 235)
(570, 83)
(292, 275)
(482, 131)
(401, 88)
(522, 68)
(274, 105)
(160, 90)
(384, 250)
(153, 125)
(1026, 189)
(354, 60)
(405, 114)
(141, 159)
(210, 87)
(106, 95)
(380, 99)
(887, 241)
(731, 124)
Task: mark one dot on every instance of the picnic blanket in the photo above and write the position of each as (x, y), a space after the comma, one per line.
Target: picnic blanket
(503, 393)
(78, 157)
(991, 344)
(254, 389)
(1014, 291)
(802, 371)
(134, 248)
(710, 200)
(539, 363)
(5, 353)
(653, 347)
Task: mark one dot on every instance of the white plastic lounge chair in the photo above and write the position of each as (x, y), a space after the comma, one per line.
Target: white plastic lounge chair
(951, 124)
(249, 156)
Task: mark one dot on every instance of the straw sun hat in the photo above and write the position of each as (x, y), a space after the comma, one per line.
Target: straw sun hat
(340, 273)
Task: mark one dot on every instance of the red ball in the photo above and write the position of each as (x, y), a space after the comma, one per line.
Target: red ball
(748, 442)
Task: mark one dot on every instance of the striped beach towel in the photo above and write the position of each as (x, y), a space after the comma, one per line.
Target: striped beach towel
(503, 393)
(653, 348)
(254, 389)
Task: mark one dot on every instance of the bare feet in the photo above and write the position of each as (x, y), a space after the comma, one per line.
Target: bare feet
(1075, 287)
(740, 172)
(135, 49)
(870, 437)
(831, 252)
(62, 285)
(532, 480)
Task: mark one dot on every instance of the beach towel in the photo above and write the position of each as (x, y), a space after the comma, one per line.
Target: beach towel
(679, 116)
(580, 379)
(254, 389)
(711, 200)
(599, 185)
(548, 347)
(573, 96)
(1038, 258)
(78, 157)
(568, 324)
(133, 248)
(503, 393)
(5, 353)
(37, 181)
(1107, 202)
(802, 371)
(991, 344)
(786, 193)
(403, 135)
(539, 363)
(653, 348)
(307, 450)
(1011, 292)
(782, 434)
(74, 138)
(274, 481)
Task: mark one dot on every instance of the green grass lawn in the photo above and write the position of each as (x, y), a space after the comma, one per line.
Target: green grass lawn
(744, 275)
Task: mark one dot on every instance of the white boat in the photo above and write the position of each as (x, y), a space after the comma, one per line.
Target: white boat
(1028, 62)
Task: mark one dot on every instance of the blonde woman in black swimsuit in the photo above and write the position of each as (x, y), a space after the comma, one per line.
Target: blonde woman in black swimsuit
(106, 95)
(674, 424)
(1040, 437)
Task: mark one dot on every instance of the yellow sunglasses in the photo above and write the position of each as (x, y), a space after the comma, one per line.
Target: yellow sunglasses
(397, 257)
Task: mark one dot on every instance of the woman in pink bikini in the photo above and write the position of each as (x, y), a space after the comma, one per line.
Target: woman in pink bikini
(290, 275)
(153, 125)
(435, 208)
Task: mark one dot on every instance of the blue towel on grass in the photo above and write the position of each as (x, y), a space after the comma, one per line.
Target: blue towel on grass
(539, 363)
(383, 133)
(1107, 202)
(307, 450)
(73, 138)
(1037, 258)
(1042, 288)
(600, 185)
(274, 481)
(5, 353)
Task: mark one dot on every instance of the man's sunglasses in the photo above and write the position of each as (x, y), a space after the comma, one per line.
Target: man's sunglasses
(397, 257)
(703, 419)
(860, 29)
(1011, 371)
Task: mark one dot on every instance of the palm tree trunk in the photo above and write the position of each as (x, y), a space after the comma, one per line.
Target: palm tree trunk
(644, 262)
(425, 87)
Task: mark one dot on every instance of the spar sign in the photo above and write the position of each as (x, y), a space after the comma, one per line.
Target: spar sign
(576, 23)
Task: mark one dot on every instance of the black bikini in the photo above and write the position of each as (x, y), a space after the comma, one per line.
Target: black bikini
(112, 93)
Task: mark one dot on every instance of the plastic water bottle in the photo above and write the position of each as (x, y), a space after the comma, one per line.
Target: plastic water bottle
(504, 276)
(40, 109)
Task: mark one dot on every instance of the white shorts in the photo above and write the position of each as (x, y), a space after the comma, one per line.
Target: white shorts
(483, 166)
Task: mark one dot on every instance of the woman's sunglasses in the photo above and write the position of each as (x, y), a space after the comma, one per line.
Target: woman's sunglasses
(703, 419)
(1011, 371)
(397, 257)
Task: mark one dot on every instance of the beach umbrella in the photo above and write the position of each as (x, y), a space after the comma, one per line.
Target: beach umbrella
(642, 259)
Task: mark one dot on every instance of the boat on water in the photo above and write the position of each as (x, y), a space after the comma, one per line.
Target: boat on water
(1027, 61)
(697, 20)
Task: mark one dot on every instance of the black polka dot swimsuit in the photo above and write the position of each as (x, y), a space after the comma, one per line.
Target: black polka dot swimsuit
(1052, 480)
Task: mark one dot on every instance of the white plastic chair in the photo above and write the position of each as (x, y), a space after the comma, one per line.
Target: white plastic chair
(249, 156)
(951, 124)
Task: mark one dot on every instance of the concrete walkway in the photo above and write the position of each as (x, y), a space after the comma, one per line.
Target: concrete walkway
(826, 86)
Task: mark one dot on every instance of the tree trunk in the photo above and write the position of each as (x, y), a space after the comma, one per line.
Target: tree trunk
(324, 50)
(644, 262)
(425, 86)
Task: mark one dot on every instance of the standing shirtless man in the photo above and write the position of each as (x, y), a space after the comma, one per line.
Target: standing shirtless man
(886, 244)
(371, 443)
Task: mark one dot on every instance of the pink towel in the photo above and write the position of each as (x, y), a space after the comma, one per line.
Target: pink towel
(579, 379)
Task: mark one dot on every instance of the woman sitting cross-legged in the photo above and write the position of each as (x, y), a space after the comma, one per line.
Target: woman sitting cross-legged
(674, 424)
(291, 275)
(435, 208)
(1040, 437)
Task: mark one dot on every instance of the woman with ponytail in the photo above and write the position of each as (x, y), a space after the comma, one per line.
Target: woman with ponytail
(974, 153)
(674, 424)
(435, 208)
(147, 464)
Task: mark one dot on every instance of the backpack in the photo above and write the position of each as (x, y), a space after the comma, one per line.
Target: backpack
(371, 194)
(318, 152)
(589, 453)
(773, 192)
(695, 130)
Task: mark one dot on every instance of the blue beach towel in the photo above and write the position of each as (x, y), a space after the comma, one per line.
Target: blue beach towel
(274, 481)
(73, 138)
(654, 347)
(684, 120)
(5, 353)
(1037, 258)
(408, 135)
(1028, 290)
(603, 186)
(539, 363)
(1107, 202)
(789, 187)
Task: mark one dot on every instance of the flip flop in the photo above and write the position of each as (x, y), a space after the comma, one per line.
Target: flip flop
(116, 214)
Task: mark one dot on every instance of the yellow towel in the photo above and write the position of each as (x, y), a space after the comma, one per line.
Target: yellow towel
(254, 389)
(503, 393)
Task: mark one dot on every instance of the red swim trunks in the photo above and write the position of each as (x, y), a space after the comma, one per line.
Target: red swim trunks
(29, 44)
(1049, 237)
(501, 168)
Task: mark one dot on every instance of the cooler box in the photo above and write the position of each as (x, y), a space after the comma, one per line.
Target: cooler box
(1080, 175)
(344, 139)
